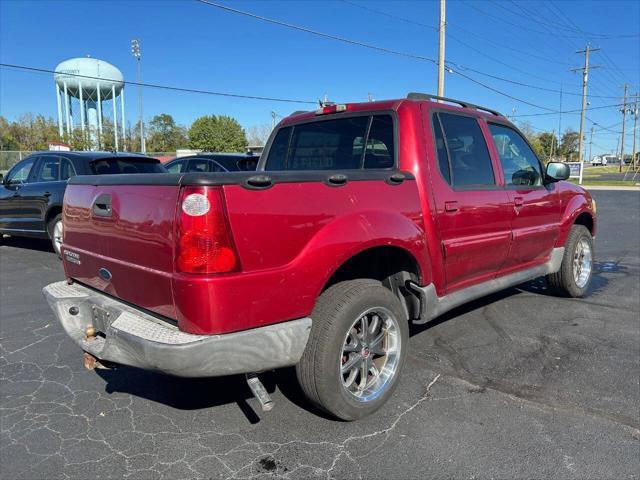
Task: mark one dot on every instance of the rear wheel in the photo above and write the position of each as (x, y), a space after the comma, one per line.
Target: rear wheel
(574, 276)
(56, 233)
(356, 349)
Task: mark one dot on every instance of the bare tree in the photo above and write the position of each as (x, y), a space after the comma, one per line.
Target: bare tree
(258, 134)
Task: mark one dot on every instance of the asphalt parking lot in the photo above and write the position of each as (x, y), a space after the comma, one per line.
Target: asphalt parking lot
(518, 385)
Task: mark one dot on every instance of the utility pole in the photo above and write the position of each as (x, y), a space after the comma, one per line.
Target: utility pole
(560, 118)
(585, 79)
(635, 129)
(135, 51)
(441, 49)
(624, 121)
(590, 144)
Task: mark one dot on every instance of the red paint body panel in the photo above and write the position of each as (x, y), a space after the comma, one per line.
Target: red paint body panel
(292, 237)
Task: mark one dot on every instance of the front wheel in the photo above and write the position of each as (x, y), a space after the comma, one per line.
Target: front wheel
(356, 349)
(574, 276)
(56, 233)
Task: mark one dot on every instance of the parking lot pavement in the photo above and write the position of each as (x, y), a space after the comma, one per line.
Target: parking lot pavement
(517, 385)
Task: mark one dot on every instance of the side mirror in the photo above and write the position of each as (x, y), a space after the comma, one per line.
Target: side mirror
(557, 171)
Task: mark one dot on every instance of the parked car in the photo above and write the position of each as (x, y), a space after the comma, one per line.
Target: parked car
(213, 162)
(32, 191)
(360, 219)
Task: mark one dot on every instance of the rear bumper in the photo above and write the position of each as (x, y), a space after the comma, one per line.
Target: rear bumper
(132, 337)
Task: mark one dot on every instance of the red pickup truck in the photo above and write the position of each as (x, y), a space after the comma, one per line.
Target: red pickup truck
(360, 219)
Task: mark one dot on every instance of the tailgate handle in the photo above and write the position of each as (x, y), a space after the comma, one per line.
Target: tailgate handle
(102, 206)
(337, 179)
(259, 181)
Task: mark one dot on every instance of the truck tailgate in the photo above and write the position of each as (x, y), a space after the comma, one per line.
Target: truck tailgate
(119, 239)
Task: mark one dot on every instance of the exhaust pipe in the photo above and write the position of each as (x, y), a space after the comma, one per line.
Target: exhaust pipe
(258, 390)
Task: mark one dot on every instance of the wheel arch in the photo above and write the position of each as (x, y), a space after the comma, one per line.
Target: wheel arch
(392, 265)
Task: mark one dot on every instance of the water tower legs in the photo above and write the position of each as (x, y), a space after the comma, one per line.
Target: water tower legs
(81, 107)
(124, 124)
(66, 108)
(99, 103)
(115, 117)
(58, 93)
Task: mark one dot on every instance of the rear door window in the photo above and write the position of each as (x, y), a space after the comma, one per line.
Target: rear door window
(177, 167)
(66, 169)
(467, 151)
(49, 169)
(335, 144)
(110, 166)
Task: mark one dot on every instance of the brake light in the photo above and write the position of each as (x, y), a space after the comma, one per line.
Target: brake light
(204, 240)
(335, 108)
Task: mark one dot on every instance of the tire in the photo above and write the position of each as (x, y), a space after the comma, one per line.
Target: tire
(576, 271)
(338, 325)
(56, 235)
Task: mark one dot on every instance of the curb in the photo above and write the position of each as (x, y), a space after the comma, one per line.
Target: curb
(612, 187)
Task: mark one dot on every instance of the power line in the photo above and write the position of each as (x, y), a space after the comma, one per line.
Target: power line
(316, 32)
(569, 111)
(464, 67)
(159, 86)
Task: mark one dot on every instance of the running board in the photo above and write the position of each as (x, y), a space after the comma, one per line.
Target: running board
(432, 306)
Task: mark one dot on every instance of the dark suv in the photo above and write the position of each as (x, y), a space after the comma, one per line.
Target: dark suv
(32, 191)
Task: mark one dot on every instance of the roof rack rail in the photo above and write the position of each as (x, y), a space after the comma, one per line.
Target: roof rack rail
(426, 96)
(299, 111)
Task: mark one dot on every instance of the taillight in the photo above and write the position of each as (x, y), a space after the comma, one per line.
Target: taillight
(204, 240)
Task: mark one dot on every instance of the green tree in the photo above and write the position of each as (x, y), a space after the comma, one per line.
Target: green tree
(569, 143)
(547, 141)
(7, 140)
(165, 135)
(217, 134)
(34, 132)
(527, 129)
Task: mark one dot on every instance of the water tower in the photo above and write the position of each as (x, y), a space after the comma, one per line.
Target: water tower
(84, 86)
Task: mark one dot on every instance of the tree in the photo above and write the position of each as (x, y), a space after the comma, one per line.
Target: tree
(217, 134)
(34, 132)
(165, 135)
(7, 140)
(569, 144)
(527, 129)
(547, 142)
(258, 134)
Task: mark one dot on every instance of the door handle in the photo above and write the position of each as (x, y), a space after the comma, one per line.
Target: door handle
(518, 202)
(46, 194)
(451, 206)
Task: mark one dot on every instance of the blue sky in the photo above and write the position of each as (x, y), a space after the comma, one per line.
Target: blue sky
(192, 45)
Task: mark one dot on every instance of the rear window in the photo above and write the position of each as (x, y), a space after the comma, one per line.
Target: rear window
(337, 144)
(110, 166)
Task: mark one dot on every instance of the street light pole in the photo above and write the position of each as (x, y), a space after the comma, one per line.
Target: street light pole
(135, 50)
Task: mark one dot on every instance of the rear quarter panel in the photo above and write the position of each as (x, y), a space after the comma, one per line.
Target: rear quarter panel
(290, 239)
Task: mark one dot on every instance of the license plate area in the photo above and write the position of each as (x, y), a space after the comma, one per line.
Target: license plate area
(101, 318)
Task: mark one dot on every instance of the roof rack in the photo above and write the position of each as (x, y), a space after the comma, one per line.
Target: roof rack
(426, 96)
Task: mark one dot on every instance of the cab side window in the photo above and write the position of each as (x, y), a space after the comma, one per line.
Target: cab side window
(467, 153)
(49, 169)
(20, 174)
(519, 163)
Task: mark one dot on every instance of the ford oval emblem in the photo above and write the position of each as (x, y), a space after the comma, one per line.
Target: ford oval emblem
(105, 274)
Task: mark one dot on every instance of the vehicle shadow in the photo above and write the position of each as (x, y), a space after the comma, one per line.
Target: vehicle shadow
(27, 243)
(202, 393)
